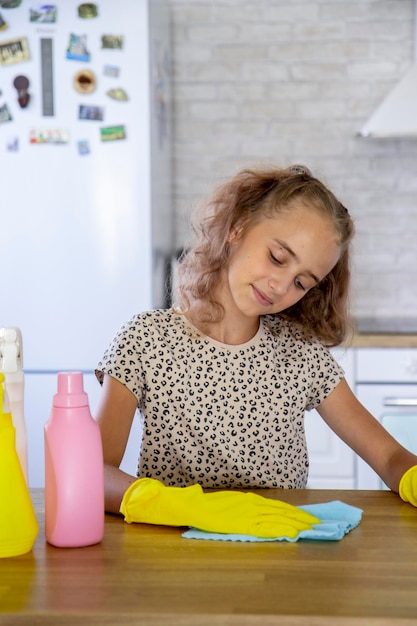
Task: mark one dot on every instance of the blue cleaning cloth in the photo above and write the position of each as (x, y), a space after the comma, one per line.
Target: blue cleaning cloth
(337, 519)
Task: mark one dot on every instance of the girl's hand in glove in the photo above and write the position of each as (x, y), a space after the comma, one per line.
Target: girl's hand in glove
(408, 486)
(149, 501)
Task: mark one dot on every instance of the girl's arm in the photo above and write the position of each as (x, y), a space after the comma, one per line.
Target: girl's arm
(115, 414)
(349, 419)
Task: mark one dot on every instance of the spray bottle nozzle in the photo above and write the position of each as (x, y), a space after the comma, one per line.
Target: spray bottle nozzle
(11, 350)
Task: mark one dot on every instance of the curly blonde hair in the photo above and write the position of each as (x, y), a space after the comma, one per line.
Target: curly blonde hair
(243, 201)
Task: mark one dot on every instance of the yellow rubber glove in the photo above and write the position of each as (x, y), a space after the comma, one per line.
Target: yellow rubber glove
(149, 501)
(408, 486)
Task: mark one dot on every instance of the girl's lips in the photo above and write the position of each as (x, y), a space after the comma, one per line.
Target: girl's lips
(261, 297)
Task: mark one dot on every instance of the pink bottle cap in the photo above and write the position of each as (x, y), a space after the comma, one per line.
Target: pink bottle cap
(70, 390)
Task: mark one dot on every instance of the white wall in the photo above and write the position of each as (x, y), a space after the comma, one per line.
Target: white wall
(281, 81)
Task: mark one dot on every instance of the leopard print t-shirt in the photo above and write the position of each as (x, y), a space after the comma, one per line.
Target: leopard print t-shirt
(216, 414)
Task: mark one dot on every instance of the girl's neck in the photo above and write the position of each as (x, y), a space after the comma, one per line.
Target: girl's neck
(233, 328)
(225, 331)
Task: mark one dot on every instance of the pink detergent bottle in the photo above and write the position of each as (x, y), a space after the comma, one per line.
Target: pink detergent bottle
(74, 472)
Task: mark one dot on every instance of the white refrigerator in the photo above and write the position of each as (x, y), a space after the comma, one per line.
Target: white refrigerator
(85, 211)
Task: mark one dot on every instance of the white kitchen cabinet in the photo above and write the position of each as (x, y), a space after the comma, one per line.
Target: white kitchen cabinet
(332, 462)
(386, 384)
(39, 392)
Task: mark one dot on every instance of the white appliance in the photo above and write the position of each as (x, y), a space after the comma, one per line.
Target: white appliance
(386, 384)
(85, 227)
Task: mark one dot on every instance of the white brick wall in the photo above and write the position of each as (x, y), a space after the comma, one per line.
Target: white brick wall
(283, 81)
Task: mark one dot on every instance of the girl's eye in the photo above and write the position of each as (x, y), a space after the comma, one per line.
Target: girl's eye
(299, 284)
(274, 259)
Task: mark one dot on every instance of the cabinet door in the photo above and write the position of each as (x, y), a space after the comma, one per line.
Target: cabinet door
(39, 392)
(386, 365)
(331, 460)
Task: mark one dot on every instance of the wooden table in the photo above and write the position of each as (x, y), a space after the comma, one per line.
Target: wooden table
(150, 576)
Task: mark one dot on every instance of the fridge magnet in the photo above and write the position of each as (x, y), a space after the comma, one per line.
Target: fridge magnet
(77, 48)
(43, 14)
(50, 136)
(5, 115)
(14, 51)
(12, 144)
(48, 107)
(84, 81)
(87, 10)
(112, 133)
(86, 112)
(21, 84)
(10, 4)
(112, 41)
(3, 24)
(111, 70)
(83, 147)
(118, 94)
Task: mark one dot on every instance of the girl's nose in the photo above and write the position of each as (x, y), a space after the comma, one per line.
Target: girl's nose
(280, 284)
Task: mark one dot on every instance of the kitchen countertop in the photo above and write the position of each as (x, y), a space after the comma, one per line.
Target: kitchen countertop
(383, 332)
(382, 340)
(142, 575)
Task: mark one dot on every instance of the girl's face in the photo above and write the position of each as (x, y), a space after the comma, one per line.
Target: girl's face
(275, 262)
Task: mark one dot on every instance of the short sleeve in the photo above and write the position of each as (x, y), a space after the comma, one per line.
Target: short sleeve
(123, 358)
(325, 374)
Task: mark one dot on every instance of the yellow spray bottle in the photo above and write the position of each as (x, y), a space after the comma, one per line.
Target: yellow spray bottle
(18, 523)
(11, 364)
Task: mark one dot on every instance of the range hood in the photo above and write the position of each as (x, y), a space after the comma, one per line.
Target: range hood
(396, 116)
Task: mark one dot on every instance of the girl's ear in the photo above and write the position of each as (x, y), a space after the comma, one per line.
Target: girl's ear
(233, 235)
(236, 232)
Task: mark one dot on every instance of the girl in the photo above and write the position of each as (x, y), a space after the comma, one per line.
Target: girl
(223, 378)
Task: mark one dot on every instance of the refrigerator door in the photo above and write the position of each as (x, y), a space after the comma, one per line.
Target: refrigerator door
(84, 236)
(85, 220)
